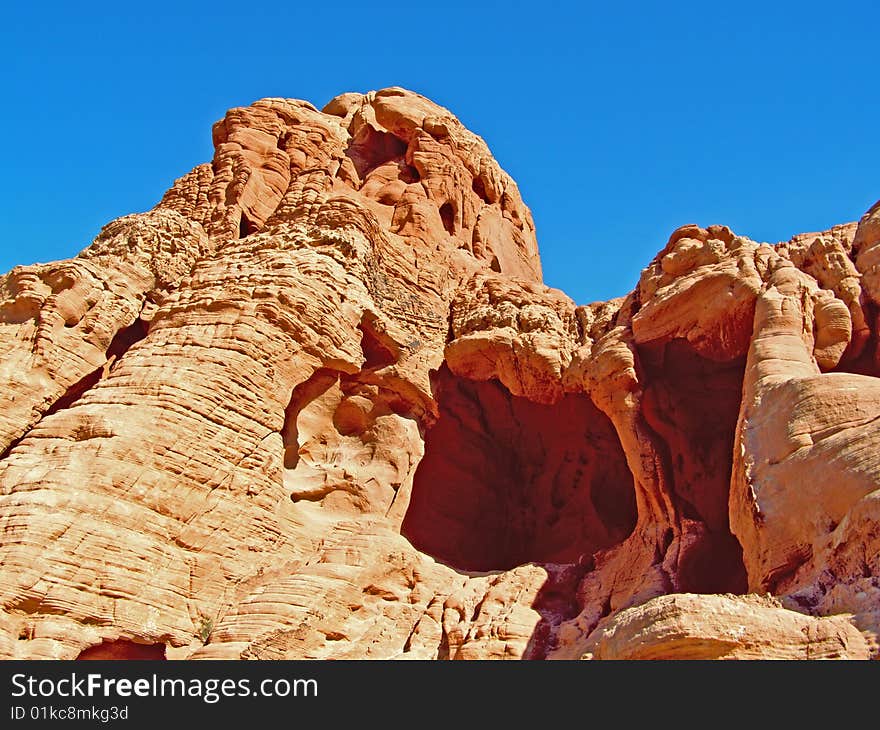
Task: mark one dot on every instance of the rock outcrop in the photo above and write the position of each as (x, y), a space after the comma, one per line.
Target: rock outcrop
(318, 403)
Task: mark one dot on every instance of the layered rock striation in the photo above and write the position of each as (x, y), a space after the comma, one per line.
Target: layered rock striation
(318, 403)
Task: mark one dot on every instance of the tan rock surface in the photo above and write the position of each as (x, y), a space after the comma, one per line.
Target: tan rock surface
(687, 626)
(318, 403)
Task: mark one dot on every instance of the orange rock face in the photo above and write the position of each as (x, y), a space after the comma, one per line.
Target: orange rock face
(318, 404)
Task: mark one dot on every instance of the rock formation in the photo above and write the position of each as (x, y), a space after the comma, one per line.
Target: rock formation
(318, 403)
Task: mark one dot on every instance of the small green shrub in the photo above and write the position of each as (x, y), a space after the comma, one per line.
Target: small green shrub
(206, 626)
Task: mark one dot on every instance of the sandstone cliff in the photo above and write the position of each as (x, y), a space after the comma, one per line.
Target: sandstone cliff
(318, 403)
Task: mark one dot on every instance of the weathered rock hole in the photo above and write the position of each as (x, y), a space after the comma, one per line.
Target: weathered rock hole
(378, 352)
(378, 347)
(119, 345)
(245, 228)
(495, 265)
(556, 602)
(409, 174)
(123, 649)
(447, 215)
(505, 481)
(868, 362)
(303, 394)
(372, 148)
(126, 338)
(692, 404)
(715, 565)
(479, 187)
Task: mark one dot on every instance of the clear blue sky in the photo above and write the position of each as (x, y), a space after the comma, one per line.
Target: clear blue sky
(619, 121)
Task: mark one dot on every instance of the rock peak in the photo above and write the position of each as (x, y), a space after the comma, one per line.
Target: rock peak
(415, 172)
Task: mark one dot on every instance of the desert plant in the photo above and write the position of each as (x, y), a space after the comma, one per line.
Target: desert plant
(206, 626)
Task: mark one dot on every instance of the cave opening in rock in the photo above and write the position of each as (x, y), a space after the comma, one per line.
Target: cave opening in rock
(447, 215)
(123, 649)
(244, 227)
(372, 148)
(408, 174)
(692, 403)
(479, 187)
(505, 481)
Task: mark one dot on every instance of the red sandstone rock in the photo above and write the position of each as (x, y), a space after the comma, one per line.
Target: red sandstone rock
(723, 627)
(318, 403)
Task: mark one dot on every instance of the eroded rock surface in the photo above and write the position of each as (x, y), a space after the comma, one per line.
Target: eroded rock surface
(688, 626)
(318, 403)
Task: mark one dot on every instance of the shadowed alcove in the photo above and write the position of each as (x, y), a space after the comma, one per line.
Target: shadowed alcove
(505, 481)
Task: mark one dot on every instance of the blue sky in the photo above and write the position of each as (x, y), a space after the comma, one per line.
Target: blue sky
(619, 121)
